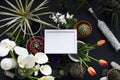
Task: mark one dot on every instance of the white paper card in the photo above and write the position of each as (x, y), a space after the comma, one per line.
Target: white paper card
(60, 41)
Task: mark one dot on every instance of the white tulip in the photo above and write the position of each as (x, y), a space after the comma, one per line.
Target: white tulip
(26, 61)
(21, 51)
(46, 69)
(5, 46)
(37, 67)
(41, 58)
(47, 78)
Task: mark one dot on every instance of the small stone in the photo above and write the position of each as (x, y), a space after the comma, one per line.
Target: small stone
(103, 78)
(115, 65)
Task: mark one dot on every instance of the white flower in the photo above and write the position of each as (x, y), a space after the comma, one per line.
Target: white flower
(58, 14)
(68, 16)
(37, 67)
(54, 18)
(21, 51)
(47, 78)
(46, 69)
(26, 61)
(41, 58)
(62, 19)
(5, 46)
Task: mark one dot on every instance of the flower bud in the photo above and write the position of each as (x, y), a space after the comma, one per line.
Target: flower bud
(91, 71)
(101, 42)
(103, 63)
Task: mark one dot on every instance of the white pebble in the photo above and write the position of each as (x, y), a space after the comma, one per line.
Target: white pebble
(115, 65)
(103, 78)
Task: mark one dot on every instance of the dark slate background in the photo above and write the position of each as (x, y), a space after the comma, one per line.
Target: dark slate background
(105, 52)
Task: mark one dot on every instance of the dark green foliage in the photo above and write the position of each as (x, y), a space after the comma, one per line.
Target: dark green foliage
(81, 3)
(111, 8)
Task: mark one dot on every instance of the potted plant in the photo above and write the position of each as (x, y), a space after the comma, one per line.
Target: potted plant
(113, 74)
(84, 29)
(83, 57)
(74, 57)
(35, 44)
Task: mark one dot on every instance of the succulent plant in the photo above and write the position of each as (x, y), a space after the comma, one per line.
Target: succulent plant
(77, 70)
(113, 74)
(84, 29)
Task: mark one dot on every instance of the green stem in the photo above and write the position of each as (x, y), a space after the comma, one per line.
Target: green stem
(12, 55)
(85, 63)
(17, 35)
(93, 59)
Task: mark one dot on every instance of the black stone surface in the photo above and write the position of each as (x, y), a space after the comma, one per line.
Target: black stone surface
(105, 52)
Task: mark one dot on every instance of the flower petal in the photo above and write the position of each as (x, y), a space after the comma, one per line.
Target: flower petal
(4, 51)
(9, 42)
(101, 42)
(26, 61)
(20, 51)
(103, 63)
(47, 78)
(91, 71)
(41, 58)
(46, 69)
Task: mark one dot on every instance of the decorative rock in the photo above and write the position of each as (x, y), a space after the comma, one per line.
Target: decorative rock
(115, 65)
(103, 78)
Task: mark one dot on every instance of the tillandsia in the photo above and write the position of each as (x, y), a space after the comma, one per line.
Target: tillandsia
(19, 17)
(66, 21)
(111, 8)
(84, 57)
(25, 63)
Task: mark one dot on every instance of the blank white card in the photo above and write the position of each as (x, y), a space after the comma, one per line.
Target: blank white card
(60, 41)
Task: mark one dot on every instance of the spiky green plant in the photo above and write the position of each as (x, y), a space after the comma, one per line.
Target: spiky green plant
(111, 8)
(114, 74)
(19, 16)
(84, 30)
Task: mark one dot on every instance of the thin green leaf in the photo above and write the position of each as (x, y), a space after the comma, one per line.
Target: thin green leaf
(13, 21)
(40, 21)
(8, 14)
(18, 4)
(21, 6)
(39, 6)
(6, 19)
(29, 6)
(10, 27)
(44, 13)
(14, 7)
(28, 26)
(8, 23)
(9, 9)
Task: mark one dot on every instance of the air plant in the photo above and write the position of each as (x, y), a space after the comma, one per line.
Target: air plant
(19, 17)
(111, 8)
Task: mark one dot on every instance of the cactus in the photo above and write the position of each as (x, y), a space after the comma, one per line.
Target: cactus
(77, 70)
(114, 74)
(84, 30)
